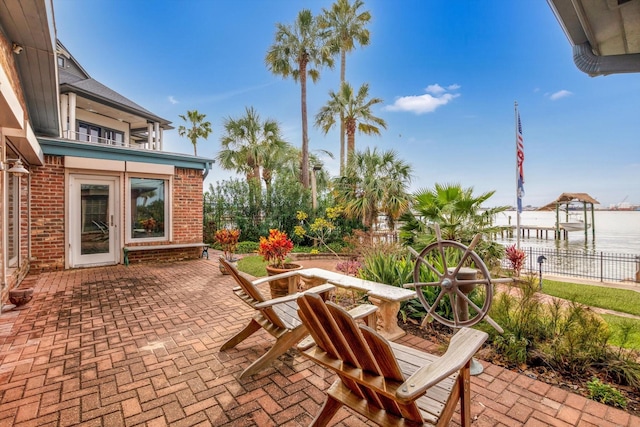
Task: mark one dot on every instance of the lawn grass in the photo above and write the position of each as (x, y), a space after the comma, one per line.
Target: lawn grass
(253, 265)
(618, 325)
(622, 300)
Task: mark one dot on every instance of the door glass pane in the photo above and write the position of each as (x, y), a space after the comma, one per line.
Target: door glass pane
(94, 221)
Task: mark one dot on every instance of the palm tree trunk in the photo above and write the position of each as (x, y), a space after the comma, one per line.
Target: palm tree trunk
(343, 60)
(305, 137)
(351, 139)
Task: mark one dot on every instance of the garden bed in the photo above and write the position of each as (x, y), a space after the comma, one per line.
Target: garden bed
(574, 384)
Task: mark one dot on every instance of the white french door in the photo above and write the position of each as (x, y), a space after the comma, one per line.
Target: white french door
(93, 225)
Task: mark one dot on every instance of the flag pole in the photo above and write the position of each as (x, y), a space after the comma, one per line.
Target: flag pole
(518, 199)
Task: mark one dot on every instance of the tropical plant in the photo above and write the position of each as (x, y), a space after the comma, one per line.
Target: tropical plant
(320, 229)
(346, 26)
(354, 110)
(460, 215)
(299, 51)
(375, 182)
(516, 258)
(228, 240)
(275, 248)
(253, 147)
(199, 128)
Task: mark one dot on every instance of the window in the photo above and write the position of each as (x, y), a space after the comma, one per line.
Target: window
(88, 133)
(149, 209)
(114, 137)
(13, 216)
(61, 61)
(92, 133)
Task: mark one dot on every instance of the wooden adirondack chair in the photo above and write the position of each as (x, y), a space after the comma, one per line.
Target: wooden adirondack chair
(390, 384)
(278, 316)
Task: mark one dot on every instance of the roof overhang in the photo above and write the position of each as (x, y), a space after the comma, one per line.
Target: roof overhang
(605, 34)
(58, 147)
(30, 25)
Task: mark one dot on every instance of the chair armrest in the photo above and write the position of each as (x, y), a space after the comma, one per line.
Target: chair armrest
(288, 298)
(268, 279)
(464, 344)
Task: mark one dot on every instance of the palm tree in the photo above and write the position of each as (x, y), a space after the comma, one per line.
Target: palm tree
(298, 51)
(346, 25)
(457, 210)
(356, 110)
(374, 183)
(248, 143)
(199, 128)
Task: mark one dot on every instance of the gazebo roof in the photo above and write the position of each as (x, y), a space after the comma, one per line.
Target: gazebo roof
(566, 198)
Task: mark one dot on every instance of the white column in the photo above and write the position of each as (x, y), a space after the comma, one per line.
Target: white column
(156, 132)
(72, 116)
(149, 134)
(161, 139)
(64, 114)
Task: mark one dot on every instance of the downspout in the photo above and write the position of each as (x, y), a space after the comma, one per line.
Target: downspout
(595, 65)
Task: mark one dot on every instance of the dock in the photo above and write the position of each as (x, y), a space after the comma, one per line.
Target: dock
(529, 231)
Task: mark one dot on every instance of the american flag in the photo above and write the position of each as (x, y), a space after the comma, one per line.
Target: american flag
(520, 162)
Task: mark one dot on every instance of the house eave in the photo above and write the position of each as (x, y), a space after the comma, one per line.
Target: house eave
(57, 147)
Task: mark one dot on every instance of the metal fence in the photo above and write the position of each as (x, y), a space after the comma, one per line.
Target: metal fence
(602, 266)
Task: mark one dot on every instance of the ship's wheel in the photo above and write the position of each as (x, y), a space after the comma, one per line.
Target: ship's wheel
(461, 279)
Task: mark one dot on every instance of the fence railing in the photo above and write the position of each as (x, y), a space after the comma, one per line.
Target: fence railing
(602, 266)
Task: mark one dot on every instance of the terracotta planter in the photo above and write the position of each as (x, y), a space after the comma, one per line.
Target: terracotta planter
(280, 287)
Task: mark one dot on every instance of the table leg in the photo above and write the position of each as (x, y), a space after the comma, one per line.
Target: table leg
(387, 314)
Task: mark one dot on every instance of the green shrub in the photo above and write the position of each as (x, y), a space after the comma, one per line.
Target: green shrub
(571, 339)
(247, 247)
(606, 394)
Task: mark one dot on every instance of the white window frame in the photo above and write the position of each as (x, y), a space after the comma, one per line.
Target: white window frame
(168, 211)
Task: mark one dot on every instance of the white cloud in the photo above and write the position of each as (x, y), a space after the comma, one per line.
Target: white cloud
(560, 94)
(435, 89)
(435, 97)
(173, 100)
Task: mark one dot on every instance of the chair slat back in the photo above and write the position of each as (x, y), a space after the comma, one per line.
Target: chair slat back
(252, 294)
(359, 346)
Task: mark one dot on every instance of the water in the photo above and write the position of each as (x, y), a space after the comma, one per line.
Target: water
(615, 231)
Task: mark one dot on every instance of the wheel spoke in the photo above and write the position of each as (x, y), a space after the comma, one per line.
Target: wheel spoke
(466, 298)
(423, 284)
(454, 308)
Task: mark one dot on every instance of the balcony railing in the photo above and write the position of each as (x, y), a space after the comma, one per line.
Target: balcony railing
(85, 137)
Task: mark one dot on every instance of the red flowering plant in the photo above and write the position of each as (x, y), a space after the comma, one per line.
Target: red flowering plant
(275, 248)
(228, 240)
(516, 258)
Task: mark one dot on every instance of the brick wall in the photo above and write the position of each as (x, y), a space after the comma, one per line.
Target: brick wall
(47, 215)
(187, 206)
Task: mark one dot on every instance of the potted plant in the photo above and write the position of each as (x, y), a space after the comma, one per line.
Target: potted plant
(274, 250)
(228, 240)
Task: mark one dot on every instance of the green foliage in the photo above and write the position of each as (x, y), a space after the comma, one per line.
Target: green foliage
(605, 393)
(374, 183)
(233, 203)
(460, 215)
(247, 247)
(569, 338)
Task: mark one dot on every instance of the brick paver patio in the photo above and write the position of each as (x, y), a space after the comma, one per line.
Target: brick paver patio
(138, 345)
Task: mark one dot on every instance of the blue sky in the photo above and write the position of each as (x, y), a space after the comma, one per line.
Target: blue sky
(449, 73)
